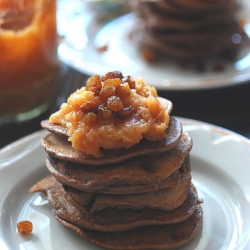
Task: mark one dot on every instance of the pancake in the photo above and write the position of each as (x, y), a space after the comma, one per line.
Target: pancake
(115, 219)
(185, 48)
(144, 238)
(192, 32)
(137, 175)
(175, 17)
(60, 148)
(165, 199)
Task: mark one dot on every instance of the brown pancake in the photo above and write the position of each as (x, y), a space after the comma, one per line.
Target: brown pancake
(183, 8)
(183, 45)
(179, 19)
(60, 148)
(114, 219)
(197, 5)
(143, 238)
(165, 199)
(137, 175)
(191, 31)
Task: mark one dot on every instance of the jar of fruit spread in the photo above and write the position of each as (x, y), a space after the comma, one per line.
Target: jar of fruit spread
(29, 66)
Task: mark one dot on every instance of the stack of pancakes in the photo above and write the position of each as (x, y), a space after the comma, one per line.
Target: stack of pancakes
(136, 198)
(189, 31)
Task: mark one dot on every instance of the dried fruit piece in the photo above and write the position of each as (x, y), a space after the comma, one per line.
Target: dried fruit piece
(130, 81)
(123, 91)
(114, 103)
(106, 92)
(104, 112)
(88, 106)
(94, 84)
(125, 112)
(24, 227)
(112, 82)
(112, 75)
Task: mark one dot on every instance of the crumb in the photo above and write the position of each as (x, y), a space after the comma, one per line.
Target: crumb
(102, 48)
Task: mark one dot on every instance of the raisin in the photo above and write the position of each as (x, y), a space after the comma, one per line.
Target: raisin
(94, 84)
(130, 81)
(106, 92)
(90, 118)
(112, 82)
(125, 112)
(104, 112)
(114, 103)
(112, 75)
(24, 227)
(123, 91)
(88, 106)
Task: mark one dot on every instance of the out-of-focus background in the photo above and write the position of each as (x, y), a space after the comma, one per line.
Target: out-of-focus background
(95, 37)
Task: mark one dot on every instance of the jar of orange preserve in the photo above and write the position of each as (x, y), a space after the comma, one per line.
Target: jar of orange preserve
(29, 66)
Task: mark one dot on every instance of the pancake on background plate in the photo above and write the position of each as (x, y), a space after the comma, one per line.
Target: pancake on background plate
(192, 33)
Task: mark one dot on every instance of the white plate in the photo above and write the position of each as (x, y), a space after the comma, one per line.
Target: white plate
(220, 169)
(82, 36)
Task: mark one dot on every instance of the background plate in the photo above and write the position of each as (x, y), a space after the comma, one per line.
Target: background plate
(82, 35)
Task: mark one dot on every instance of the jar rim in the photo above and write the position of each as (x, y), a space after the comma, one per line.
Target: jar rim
(10, 15)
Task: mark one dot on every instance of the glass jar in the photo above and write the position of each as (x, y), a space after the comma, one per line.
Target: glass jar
(29, 66)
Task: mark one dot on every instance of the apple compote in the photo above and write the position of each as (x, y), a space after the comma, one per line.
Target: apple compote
(112, 112)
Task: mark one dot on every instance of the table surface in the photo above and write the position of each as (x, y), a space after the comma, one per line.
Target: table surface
(228, 107)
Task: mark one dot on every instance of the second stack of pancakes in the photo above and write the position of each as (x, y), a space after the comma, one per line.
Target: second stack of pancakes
(188, 31)
(138, 198)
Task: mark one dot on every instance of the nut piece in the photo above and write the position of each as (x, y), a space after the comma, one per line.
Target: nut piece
(24, 227)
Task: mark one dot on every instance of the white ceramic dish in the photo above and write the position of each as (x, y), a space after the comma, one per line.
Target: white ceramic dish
(82, 36)
(220, 169)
